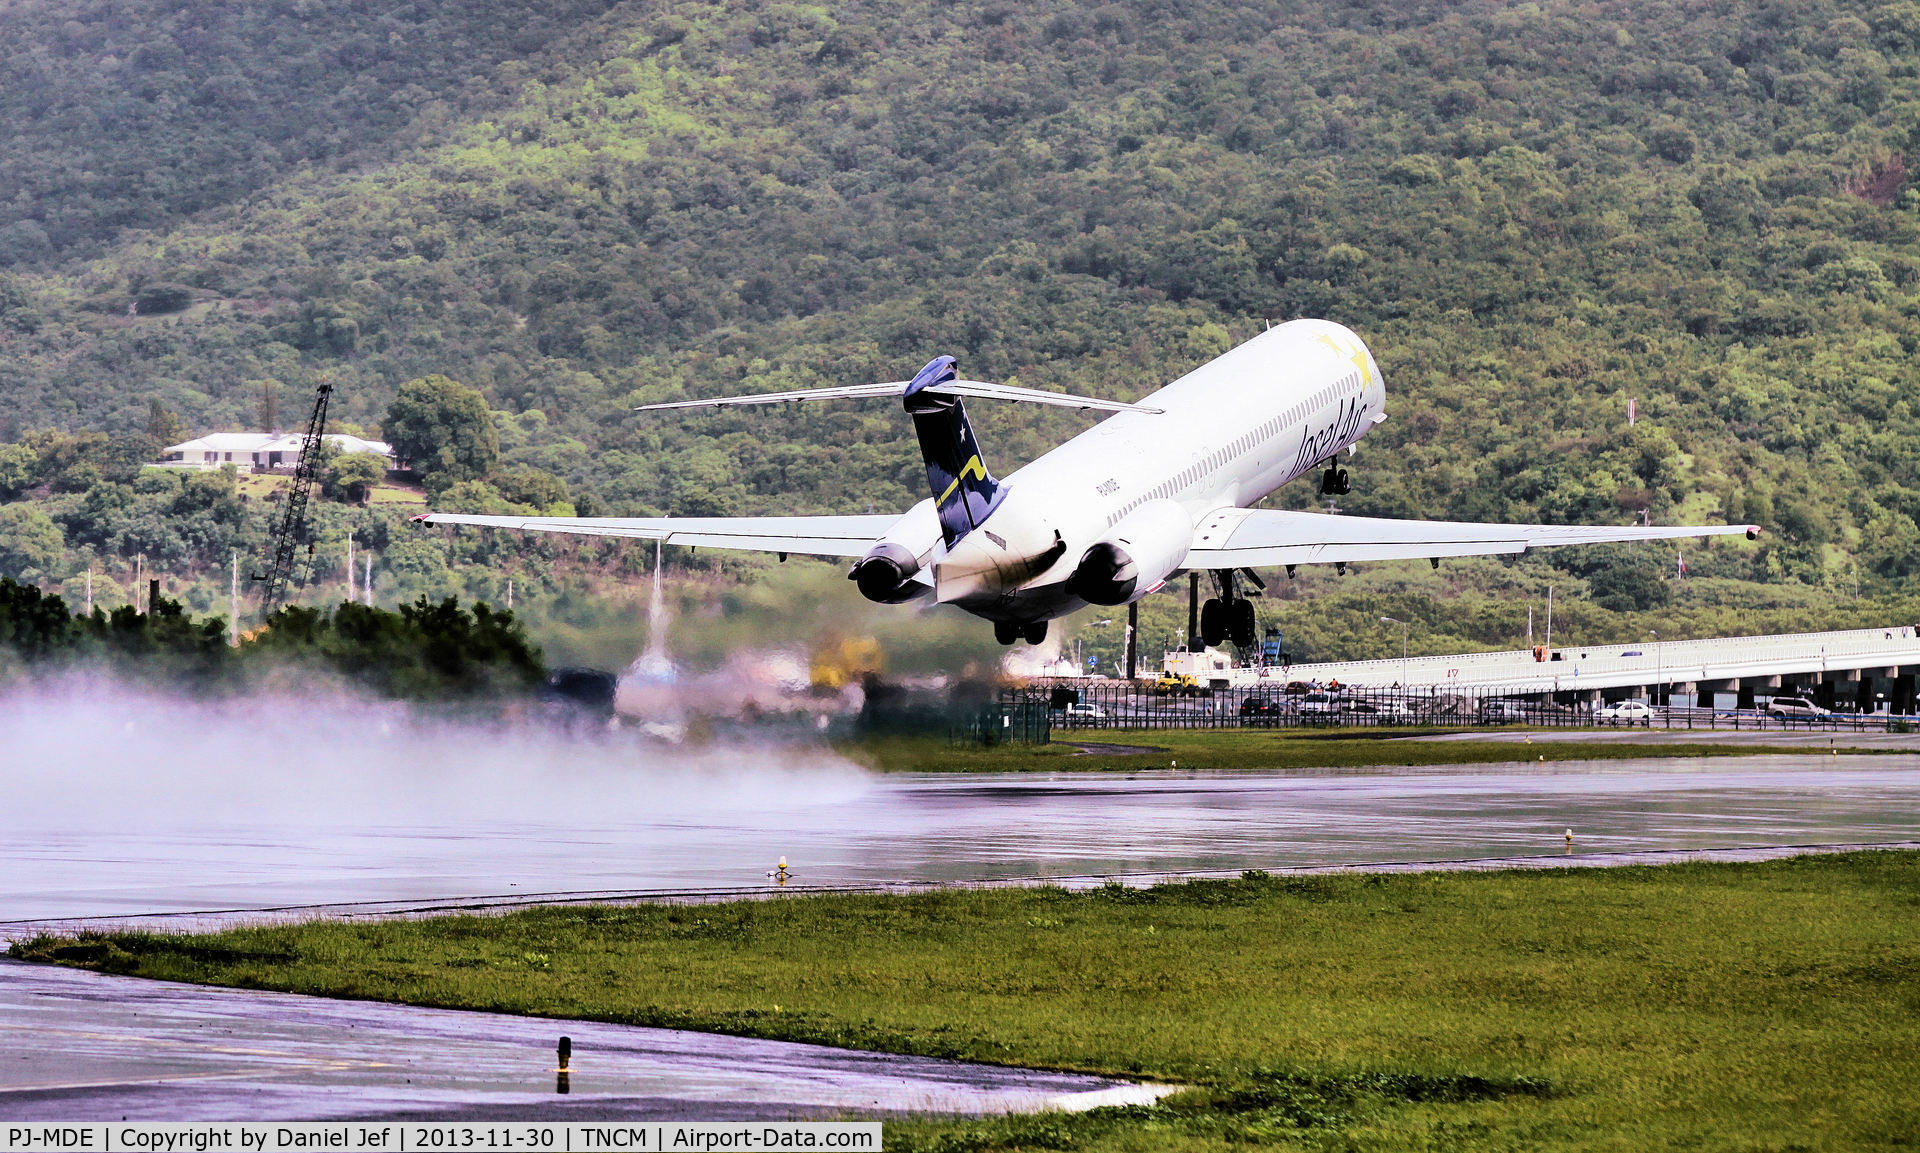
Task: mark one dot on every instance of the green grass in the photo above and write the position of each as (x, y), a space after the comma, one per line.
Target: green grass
(1201, 749)
(1753, 1006)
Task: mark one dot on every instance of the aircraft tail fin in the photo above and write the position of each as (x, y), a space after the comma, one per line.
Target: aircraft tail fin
(964, 492)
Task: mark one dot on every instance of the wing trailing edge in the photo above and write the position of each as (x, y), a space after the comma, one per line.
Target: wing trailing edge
(838, 536)
(1256, 538)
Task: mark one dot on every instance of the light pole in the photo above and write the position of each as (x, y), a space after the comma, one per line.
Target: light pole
(1659, 665)
(1403, 648)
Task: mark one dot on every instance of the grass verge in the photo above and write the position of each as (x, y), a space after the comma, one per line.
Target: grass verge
(1692, 1006)
(1202, 749)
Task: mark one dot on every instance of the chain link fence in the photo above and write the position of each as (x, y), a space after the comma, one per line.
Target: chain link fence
(1118, 704)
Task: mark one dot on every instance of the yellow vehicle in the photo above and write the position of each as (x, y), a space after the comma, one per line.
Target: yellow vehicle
(1177, 685)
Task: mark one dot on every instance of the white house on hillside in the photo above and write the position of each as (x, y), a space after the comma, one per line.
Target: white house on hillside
(259, 451)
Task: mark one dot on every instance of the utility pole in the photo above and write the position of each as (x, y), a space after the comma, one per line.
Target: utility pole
(1549, 616)
(1193, 612)
(1660, 662)
(233, 603)
(510, 604)
(1403, 648)
(367, 585)
(1133, 632)
(89, 590)
(349, 568)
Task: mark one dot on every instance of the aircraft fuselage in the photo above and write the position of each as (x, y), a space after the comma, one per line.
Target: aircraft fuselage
(1231, 431)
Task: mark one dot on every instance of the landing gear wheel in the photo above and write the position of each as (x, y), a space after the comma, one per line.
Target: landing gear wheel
(1242, 626)
(1035, 632)
(1335, 482)
(1213, 623)
(1006, 632)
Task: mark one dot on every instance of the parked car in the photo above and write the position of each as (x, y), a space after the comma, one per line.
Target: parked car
(1795, 708)
(1624, 711)
(1262, 711)
(1082, 716)
(1504, 710)
(1380, 710)
(1320, 704)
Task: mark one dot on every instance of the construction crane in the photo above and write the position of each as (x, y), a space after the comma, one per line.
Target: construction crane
(293, 522)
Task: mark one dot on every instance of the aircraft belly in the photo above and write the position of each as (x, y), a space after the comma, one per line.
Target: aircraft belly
(1041, 603)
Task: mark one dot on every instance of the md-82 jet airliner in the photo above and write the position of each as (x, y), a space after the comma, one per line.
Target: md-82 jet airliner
(1161, 487)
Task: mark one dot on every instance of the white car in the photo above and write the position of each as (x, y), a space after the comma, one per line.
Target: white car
(1800, 707)
(1084, 714)
(1318, 704)
(1624, 711)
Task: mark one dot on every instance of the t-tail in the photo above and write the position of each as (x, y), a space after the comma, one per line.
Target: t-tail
(964, 492)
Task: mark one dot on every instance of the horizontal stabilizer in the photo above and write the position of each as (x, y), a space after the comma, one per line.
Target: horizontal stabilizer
(1253, 538)
(979, 388)
(803, 535)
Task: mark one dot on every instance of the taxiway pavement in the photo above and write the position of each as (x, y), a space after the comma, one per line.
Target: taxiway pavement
(83, 1046)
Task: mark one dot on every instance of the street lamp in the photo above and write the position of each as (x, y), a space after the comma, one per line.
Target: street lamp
(1403, 648)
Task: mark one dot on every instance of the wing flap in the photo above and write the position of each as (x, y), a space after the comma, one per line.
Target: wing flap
(1251, 538)
(805, 535)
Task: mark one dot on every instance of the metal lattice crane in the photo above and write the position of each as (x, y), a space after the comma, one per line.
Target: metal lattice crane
(293, 523)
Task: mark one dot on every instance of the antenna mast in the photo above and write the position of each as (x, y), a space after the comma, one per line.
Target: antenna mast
(293, 524)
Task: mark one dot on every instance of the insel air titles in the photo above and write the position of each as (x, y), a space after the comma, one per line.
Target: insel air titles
(1316, 447)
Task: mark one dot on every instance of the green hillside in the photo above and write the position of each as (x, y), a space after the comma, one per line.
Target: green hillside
(1533, 212)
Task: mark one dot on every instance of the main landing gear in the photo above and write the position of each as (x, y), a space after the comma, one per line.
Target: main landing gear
(1335, 481)
(1228, 616)
(1007, 632)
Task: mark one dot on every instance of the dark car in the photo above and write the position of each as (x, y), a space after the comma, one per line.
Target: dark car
(1261, 711)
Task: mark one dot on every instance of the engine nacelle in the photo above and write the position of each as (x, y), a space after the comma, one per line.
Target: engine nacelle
(886, 573)
(1148, 545)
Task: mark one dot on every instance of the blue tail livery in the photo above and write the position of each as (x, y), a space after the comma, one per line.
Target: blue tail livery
(964, 492)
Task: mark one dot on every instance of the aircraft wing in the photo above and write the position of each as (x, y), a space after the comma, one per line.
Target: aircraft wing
(1251, 538)
(805, 535)
(895, 389)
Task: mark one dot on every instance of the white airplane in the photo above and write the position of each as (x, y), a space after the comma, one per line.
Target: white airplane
(1160, 488)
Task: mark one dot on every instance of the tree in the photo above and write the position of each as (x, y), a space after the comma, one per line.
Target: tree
(19, 470)
(33, 624)
(163, 427)
(1627, 586)
(30, 543)
(355, 474)
(441, 428)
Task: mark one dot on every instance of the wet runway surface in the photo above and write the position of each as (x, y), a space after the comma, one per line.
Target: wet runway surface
(711, 826)
(77, 1045)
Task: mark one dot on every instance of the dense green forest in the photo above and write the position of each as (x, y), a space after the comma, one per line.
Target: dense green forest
(1534, 213)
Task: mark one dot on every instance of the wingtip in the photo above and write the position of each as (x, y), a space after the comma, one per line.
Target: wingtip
(422, 518)
(1753, 532)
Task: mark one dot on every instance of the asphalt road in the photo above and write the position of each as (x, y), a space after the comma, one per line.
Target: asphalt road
(78, 1046)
